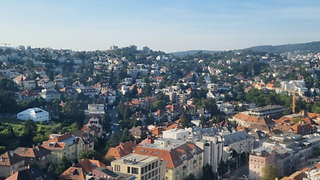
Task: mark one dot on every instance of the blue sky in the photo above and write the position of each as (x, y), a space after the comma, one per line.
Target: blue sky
(167, 25)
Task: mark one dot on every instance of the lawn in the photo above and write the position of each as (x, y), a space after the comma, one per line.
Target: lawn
(18, 124)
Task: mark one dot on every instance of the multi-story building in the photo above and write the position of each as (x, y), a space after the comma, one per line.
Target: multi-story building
(180, 157)
(273, 111)
(175, 134)
(97, 109)
(63, 145)
(238, 141)
(258, 159)
(36, 155)
(50, 95)
(143, 167)
(212, 147)
(10, 163)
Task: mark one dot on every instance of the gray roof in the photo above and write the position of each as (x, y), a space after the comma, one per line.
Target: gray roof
(236, 137)
(107, 171)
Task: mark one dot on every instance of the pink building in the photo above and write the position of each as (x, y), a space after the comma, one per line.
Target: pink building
(258, 159)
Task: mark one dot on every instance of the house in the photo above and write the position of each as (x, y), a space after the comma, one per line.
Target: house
(95, 109)
(121, 150)
(88, 91)
(27, 95)
(10, 163)
(136, 132)
(46, 84)
(35, 114)
(173, 110)
(30, 174)
(36, 155)
(105, 173)
(63, 145)
(73, 173)
(50, 95)
(88, 165)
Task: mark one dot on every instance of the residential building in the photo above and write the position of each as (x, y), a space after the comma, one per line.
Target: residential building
(88, 165)
(36, 155)
(95, 109)
(30, 174)
(50, 95)
(73, 173)
(239, 141)
(35, 114)
(121, 150)
(212, 147)
(136, 132)
(175, 134)
(258, 159)
(63, 145)
(243, 119)
(273, 111)
(143, 167)
(27, 95)
(180, 157)
(10, 163)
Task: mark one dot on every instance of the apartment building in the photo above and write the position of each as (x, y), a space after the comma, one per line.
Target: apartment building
(63, 145)
(143, 167)
(258, 159)
(180, 157)
(273, 111)
(10, 163)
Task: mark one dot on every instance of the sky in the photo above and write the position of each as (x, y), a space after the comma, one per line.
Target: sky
(166, 25)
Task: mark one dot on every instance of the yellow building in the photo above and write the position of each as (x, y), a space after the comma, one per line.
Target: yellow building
(181, 158)
(64, 145)
(141, 166)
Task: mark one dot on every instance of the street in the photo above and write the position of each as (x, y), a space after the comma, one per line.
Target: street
(114, 121)
(237, 175)
(244, 170)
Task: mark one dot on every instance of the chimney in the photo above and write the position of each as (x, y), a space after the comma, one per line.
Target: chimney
(11, 153)
(32, 146)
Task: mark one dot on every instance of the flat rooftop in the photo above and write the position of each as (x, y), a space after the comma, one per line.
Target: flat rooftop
(165, 144)
(136, 159)
(264, 108)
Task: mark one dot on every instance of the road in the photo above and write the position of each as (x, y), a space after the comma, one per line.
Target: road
(244, 170)
(114, 121)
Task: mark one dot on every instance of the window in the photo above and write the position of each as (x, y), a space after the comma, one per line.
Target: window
(142, 170)
(128, 169)
(135, 170)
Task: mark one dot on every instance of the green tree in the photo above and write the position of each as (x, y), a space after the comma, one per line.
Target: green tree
(185, 122)
(207, 172)
(126, 136)
(89, 154)
(63, 165)
(190, 177)
(269, 172)
(113, 141)
(2, 149)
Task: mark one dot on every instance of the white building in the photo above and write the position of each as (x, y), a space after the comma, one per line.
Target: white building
(35, 114)
(176, 134)
(212, 147)
(98, 109)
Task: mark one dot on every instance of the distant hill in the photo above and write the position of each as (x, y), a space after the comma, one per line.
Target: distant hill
(190, 52)
(308, 47)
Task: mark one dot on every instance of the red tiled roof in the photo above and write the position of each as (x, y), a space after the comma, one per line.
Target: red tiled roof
(89, 164)
(122, 150)
(171, 157)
